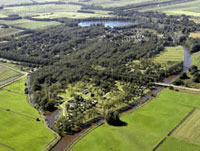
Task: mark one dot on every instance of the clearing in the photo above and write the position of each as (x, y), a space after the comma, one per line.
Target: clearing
(170, 56)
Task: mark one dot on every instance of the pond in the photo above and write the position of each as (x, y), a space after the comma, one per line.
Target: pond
(111, 24)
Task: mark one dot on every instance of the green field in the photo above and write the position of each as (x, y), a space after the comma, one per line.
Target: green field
(51, 11)
(147, 126)
(188, 131)
(6, 73)
(188, 8)
(19, 128)
(29, 24)
(114, 3)
(196, 59)
(8, 2)
(170, 55)
(8, 31)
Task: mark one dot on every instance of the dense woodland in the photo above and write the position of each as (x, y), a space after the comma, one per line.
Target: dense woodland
(69, 53)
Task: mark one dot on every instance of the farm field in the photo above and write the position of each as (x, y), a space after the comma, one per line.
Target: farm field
(194, 35)
(19, 128)
(190, 8)
(72, 14)
(170, 55)
(156, 119)
(52, 11)
(188, 130)
(6, 73)
(195, 59)
(114, 3)
(8, 31)
(29, 24)
(39, 9)
(9, 2)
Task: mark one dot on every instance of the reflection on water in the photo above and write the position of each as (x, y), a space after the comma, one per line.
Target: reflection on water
(187, 59)
(111, 24)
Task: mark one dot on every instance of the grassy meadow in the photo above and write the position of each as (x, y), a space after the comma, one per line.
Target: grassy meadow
(170, 55)
(8, 2)
(147, 126)
(6, 73)
(19, 128)
(29, 24)
(196, 59)
(190, 8)
(4, 32)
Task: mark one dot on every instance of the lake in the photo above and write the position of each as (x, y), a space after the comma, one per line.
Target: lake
(111, 24)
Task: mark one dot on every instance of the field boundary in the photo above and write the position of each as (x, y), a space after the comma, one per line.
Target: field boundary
(78, 138)
(169, 134)
(7, 146)
(21, 114)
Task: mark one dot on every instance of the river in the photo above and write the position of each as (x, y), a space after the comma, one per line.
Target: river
(187, 59)
(67, 139)
(111, 24)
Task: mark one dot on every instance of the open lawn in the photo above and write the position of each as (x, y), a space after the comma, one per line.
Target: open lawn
(147, 126)
(170, 55)
(6, 73)
(19, 128)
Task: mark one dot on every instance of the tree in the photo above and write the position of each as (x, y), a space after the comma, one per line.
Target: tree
(112, 118)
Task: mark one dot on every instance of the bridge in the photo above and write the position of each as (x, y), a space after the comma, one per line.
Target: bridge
(193, 90)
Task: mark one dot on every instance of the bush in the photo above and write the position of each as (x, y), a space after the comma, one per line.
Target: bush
(178, 82)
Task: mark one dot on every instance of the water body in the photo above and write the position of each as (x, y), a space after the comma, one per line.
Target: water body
(29, 89)
(111, 24)
(187, 59)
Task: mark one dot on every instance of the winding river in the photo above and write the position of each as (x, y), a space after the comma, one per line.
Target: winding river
(67, 139)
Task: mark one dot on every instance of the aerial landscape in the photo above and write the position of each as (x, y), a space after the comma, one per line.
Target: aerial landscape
(100, 75)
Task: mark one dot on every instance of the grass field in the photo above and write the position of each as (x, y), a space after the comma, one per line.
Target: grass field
(173, 144)
(189, 130)
(115, 3)
(8, 2)
(6, 73)
(29, 24)
(19, 128)
(196, 59)
(170, 55)
(8, 31)
(190, 8)
(51, 11)
(147, 126)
